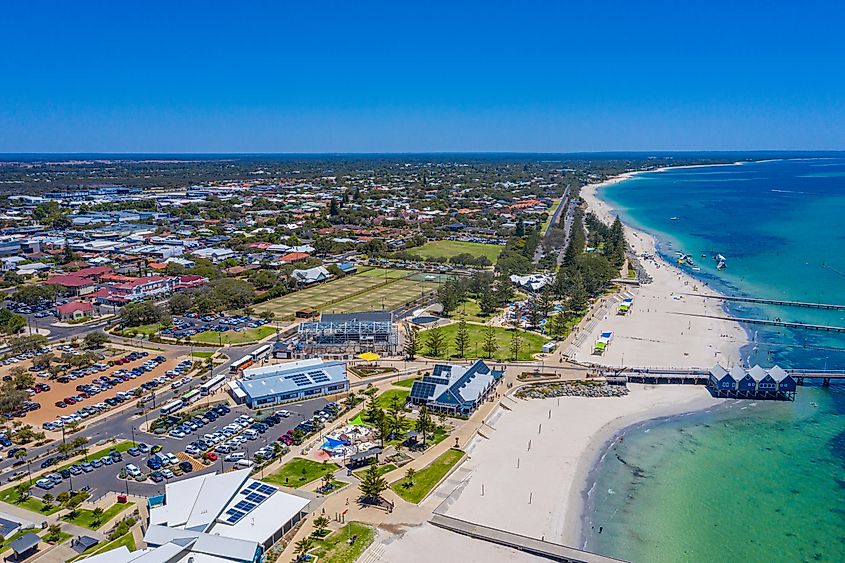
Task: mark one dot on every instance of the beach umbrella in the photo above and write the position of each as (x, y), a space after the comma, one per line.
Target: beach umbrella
(369, 356)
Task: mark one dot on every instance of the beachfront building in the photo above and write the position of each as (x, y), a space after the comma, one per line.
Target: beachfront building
(292, 381)
(349, 333)
(455, 388)
(224, 517)
(754, 383)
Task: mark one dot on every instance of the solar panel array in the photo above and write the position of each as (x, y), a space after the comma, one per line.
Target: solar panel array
(310, 378)
(422, 390)
(256, 493)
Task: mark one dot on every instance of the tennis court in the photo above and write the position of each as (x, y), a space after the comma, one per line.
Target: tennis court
(391, 296)
(318, 296)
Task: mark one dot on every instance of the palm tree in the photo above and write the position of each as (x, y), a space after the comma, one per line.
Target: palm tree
(97, 513)
(302, 547)
(320, 525)
(54, 532)
(410, 473)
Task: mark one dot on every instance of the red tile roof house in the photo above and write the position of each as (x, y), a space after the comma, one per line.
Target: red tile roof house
(74, 284)
(293, 258)
(144, 287)
(74, 310)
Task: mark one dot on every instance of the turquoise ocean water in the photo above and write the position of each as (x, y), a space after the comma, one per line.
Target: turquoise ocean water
(753, 481)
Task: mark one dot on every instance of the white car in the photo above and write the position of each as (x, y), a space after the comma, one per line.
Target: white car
(167, 474)
(171, 458)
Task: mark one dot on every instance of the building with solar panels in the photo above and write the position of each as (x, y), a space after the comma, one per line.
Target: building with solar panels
(226, 515)
(349, 333)
(454, 388)
(292, 381)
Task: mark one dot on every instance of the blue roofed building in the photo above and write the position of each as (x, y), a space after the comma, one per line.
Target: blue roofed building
(292, 381)
(455, 388)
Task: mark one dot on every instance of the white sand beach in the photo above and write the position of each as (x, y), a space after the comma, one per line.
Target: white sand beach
(658, 331)
(536, 489)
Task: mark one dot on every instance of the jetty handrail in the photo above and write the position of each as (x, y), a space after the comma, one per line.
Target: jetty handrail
(767, 301)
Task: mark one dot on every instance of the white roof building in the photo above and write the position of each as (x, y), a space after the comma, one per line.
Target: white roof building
(215, 518)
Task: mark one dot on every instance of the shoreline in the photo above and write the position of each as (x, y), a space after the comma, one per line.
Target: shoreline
(603, 442)
(529, 473)
(662, 329)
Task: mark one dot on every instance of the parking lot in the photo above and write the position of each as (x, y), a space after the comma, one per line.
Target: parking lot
(191, 324)
(63, 396)
(106, 478)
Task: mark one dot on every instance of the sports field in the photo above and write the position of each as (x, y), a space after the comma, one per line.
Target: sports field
(450, 248)
(391, 296)
(384, 273)
(359, 292)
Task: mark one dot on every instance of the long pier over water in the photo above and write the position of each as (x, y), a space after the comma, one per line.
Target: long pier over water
(763, 301)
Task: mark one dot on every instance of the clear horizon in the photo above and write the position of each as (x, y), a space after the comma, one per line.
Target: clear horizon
(380, 78)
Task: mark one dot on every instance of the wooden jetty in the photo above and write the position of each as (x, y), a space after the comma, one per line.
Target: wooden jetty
(784, 324)
(763, 301)
(534, 546)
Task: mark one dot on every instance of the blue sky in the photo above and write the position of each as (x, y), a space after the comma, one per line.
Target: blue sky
(424, 76)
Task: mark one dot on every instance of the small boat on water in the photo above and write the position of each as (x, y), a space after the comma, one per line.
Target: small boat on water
(721, 262)
(673, 218)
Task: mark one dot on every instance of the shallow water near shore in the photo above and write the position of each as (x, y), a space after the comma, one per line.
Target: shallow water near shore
(755, 481)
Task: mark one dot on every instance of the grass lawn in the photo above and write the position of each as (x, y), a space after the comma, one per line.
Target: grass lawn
(470, 311)
(384, 273)
(428, 477)
(124, 540)
(531, 343)
(146, 330)
(85, 517)
(10, 496)
(62, 538)
(232, 337)
(335, 547)
(203, 355)
(381, 470)
(385, 398)
(409, 382)
(449, 248)
(300, 471)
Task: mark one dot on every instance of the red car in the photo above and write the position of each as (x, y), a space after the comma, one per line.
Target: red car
(212, 456)
(70, 401)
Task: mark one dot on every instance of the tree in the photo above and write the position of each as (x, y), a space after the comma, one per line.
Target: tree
(95, 339)
(373, 484)
(23, 380)
(180, 303)
(578, 297)
(487, 302)
(22, 490)
(267, 315)
(302, 547)
(372, 410)
(411, 342)
(435, 341)
(462, 338)
(424, 423)
(396, 415)
(97, 514)
(47, 499)
(490, 345)
(54, 532)
(334, 208)
(384, 426)
(321, 523)
(142, 313)
(410, 473)
(516, 344)
(72, 505)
